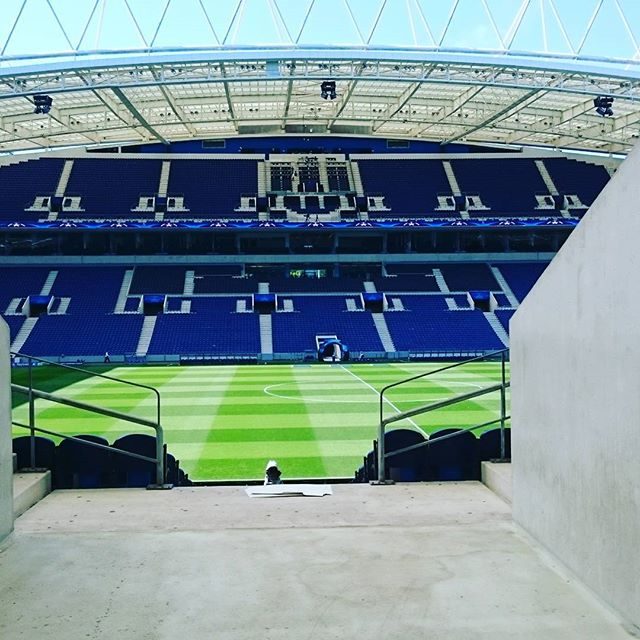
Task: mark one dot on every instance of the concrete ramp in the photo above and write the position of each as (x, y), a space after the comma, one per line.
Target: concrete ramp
(409, 561)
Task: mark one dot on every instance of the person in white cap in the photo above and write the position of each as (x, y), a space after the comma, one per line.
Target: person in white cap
(272, 473)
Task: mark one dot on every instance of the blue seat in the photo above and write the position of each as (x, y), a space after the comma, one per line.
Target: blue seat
(81, 466)
(454, 458)
(132, 472)
(409, 466)
(489, 444)
(45, 450)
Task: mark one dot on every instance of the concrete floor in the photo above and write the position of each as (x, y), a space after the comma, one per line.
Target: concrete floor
(442, 562)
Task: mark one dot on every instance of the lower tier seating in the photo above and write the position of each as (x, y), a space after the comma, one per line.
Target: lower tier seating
(207, 312)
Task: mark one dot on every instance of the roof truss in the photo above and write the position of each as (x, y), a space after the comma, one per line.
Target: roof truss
(439, 101)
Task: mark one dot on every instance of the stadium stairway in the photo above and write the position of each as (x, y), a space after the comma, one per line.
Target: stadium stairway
(28, 488)
(383, 331)
(546, 177)
(64, 178)
(124, 291)
(451, 177)
(497, 327)
(146, 334)
(266, 333)
(441, 282)
(403, 561)
(504, 286)
(23, 335)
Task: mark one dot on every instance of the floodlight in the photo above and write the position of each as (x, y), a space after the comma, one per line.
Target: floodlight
(603, 105)
(42, 103)
(328, 90)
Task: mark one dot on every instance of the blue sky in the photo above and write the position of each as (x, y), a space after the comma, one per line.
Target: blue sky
(555, 26)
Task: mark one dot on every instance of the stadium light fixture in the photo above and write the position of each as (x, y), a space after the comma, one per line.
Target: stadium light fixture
(328, 90)
(603, 105)
(42, 103)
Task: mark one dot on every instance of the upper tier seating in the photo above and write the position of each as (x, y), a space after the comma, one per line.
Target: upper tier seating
(281, 177)
(312, 203)
(112, 188)
(212, 188)
(21, 183)
(507, 187)
(410, 187)
(338, 178)
(575, 177)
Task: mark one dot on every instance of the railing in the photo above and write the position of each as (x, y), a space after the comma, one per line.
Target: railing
(501, 387)
(33, 393)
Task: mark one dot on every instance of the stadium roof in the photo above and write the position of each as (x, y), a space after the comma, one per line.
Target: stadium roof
(518, 72)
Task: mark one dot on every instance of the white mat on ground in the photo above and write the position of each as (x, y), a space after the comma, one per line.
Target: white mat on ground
(279, 490)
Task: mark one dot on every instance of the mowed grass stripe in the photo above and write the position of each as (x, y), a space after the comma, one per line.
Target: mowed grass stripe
(337, 413)
(198, 413)
(297, 455)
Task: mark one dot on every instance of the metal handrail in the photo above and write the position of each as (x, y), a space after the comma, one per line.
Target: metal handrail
(94, 374)
(442, 403)
(440, 370)
(502, 387)
(35, 393)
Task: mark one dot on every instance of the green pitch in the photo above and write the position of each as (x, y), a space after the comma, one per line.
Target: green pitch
(226, 422)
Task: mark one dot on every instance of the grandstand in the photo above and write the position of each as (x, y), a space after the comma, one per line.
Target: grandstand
(208, 312)
(335, 234)
(250, 188)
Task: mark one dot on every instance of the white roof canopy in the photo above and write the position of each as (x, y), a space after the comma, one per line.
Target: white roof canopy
(522, 72)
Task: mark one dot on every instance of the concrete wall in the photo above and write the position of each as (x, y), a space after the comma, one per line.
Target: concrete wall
(575, 366)
(6, 460)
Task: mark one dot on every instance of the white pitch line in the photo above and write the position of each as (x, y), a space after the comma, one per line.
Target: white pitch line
(393, 406)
